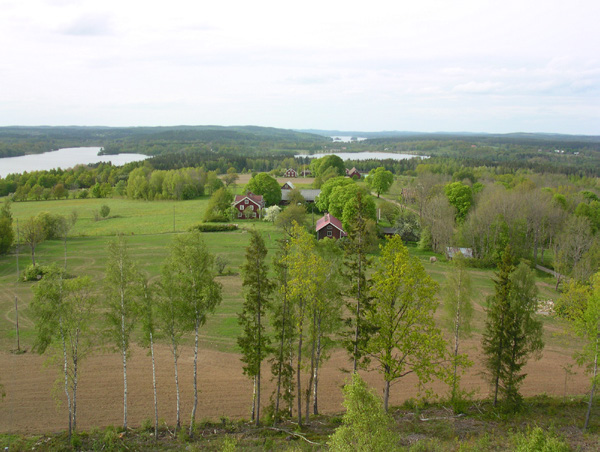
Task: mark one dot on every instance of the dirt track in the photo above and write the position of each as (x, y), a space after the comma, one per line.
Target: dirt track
(29, 405)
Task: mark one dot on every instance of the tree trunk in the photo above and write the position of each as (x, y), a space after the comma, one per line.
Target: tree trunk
(589, 410)
(193, 420)
(456, 338)
(124, 350)
(253, 409)
(259, 351)
(75, 380)
(312, 370)
(33, 255)
(386, 390)
(66, 371)
(356, 330)
(154, 388)
(316, 374)
(174, 349)
(298, 381)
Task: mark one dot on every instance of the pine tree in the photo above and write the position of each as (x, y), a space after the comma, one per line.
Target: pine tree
(254, 342)
(284, 334)
(512, 333)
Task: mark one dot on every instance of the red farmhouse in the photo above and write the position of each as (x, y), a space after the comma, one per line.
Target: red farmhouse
(329, 226)
(290, 173)
(353, 173)
(248, 205)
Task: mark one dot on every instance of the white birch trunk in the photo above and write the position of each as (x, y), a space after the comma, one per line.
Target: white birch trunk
(193, 420)
(154, 388)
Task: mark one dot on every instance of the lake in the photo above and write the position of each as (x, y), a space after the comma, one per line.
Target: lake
(366, 155)
(62, 158)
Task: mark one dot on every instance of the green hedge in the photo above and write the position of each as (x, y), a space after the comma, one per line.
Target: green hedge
(212, 227)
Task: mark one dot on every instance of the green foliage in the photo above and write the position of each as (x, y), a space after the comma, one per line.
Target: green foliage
(380, 180)
(218, 206)
(34, 272)
(365, 425)
(512, 332)
(538, 440)
(328, 167)
(104, 211)
(254, 342)
(53, 225)
(292, 214)
(267, 186)
(203, 227)
(461, 197)
(6, 230)
(322, 201)
(406, 339)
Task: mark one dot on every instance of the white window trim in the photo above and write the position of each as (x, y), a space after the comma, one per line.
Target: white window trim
(241, 207)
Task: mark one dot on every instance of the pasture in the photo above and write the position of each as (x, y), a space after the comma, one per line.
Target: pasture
(31, 393)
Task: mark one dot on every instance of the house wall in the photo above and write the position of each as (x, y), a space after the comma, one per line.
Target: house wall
(324, 232)
(244, 206)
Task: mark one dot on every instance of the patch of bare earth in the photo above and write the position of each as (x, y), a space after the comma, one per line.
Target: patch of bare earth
(30, 403)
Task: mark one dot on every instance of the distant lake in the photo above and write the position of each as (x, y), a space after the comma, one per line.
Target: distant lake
(346, 139)
(62, 158)
(366, 155)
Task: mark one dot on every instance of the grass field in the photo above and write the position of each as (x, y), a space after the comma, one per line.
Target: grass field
(149, 230)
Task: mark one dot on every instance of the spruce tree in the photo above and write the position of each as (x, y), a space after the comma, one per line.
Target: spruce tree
(254, 342)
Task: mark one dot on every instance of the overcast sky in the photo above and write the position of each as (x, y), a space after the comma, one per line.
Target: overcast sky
(426, 65)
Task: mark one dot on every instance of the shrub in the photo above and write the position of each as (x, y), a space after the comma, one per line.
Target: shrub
(34, 272)
(537, 440)
(204, 227)
(104, 211)
(365, 426)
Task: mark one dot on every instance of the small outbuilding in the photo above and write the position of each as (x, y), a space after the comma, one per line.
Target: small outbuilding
(353, 174)
(329, 227)
(453, 251)
(287, 186)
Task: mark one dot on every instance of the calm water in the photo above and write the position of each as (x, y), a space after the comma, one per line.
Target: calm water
(366, 155)
(63, 158)
(346, 139)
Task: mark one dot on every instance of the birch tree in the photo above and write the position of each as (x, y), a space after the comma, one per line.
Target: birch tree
(148, 322)
(200, 293)
(64, 317)
(585, 321)
(405, 339)
(169, 311)
(121, 295)
(254, 342)
(302, 289)
(458, 311)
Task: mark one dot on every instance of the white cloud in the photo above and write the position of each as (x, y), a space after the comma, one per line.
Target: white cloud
(431, 65)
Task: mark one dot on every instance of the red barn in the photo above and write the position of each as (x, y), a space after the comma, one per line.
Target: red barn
(287, 186)
(329, 226)
(290, 173)
(248, 205)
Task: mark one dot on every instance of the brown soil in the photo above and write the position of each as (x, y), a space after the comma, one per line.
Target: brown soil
(30, 403)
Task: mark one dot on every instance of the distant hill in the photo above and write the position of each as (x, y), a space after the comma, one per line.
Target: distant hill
(19, 140)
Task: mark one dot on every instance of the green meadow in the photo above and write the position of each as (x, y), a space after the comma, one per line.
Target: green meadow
(149, 227)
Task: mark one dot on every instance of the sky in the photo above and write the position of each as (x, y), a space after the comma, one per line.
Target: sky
(428, 65)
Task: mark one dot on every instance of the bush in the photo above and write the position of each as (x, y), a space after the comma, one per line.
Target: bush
(35, 272)
(365, 426)
(537, 440)
(203, 227)
(104, 211)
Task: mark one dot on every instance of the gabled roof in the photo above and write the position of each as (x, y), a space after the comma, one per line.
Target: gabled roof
(289, 184)
(353, 170)
(257, 199)
(291, 169)
(309, 194)
(329, 219)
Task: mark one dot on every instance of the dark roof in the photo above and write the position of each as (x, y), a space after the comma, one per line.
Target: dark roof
(258, 199)
(329, 219)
